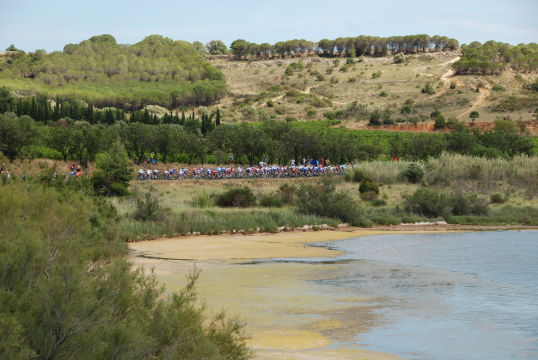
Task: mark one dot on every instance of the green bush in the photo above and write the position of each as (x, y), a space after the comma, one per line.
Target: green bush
(435, 202)
(497, 199)
(321, 199)
(286, 193)
(69, 291)
(271, 201)
(430, 202)
(469, 205)
(414, 173)
(428, 89)
(440, 122)
(237, 197)
(148, 207)
(399, 58)
(368, 185)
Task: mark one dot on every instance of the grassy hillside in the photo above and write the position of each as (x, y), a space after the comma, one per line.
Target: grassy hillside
(309, 88)
(156, 70)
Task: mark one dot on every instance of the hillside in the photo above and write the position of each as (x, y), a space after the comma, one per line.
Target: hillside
(156, 70)
(392, 93)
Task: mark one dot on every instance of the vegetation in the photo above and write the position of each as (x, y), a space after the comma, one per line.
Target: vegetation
(156, 70)
(276, 141)
(322, 199)
(239, 197)
(492, 58)
(349, 47)
(68, 291)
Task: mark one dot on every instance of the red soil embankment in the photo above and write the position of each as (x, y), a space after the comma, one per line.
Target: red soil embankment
(531, 127)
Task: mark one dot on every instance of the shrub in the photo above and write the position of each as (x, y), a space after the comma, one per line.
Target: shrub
(406, 109)
(430, 202)
(148, 208)
(286, 193)
(428, 89)
(469, 205)
(399, 58)
(322, 200)
(330, 115)
(375, 118)
(497, 199)
(310, 112)
(434, 202)
(368, 185)
(271, 201)
(376, 74)
(383, 94)
(440, 122)
(498, 88)
(414, 173)
(452, 85)
(237, 197)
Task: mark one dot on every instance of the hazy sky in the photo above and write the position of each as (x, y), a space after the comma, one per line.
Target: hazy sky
(51, 24)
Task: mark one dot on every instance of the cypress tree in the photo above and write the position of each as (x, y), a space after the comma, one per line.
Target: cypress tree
(217, 118)
(33, 109)
(146, 118)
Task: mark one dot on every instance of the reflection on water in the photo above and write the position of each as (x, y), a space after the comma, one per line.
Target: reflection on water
(447, 296)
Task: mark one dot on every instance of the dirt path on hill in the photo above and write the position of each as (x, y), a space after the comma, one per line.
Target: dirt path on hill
(445, 78)
(482, 95)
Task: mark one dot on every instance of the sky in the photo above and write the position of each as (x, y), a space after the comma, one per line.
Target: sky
(49, 25)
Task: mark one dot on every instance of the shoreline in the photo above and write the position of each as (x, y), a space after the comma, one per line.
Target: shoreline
(288, 315)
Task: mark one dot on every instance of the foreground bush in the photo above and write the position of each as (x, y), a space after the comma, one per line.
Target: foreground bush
(68, 292)
(238, 197)
(435, 202)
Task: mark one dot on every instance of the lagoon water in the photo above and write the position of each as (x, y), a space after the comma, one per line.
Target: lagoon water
(445, 296)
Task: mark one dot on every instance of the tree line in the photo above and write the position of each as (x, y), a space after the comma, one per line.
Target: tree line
(271, 141)
(42, 109)
(492, 57)
(340, 47)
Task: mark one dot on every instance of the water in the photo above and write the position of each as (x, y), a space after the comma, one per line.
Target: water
(447, 296)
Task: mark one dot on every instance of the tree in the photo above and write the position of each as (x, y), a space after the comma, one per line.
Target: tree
(240, 48)
(113, 171)
(217, 118)
(474, 115)
(15, 133)
(12, 48)
(216, 47)
(199, 46)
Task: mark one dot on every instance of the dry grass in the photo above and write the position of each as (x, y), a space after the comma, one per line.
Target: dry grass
(400, 82)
